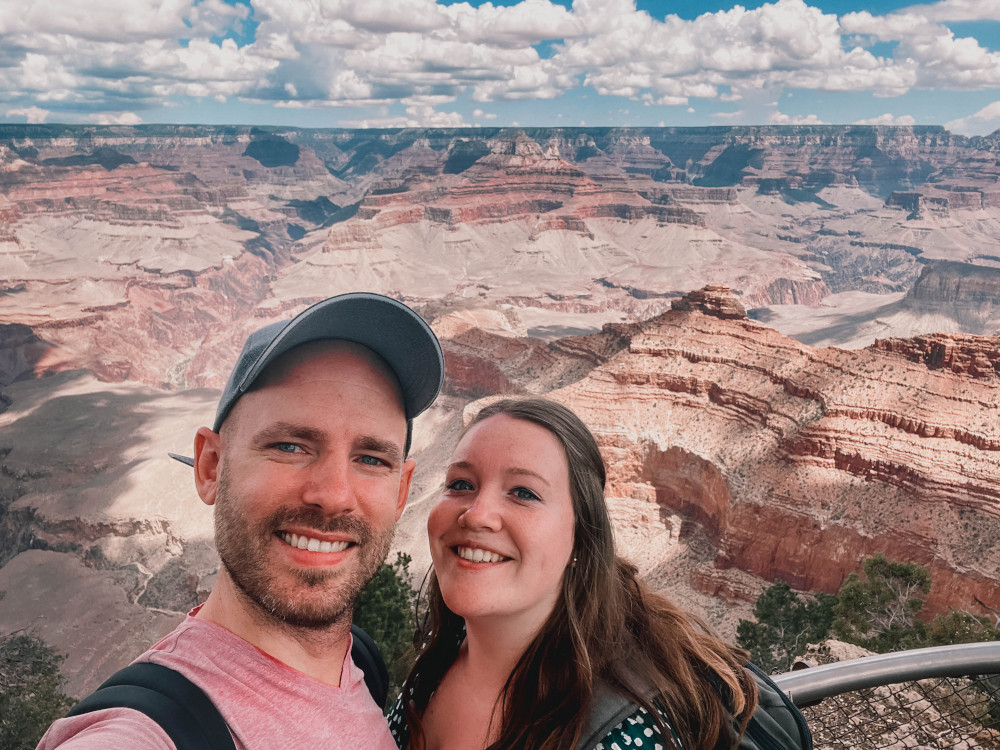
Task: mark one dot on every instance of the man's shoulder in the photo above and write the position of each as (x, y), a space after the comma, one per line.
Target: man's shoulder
(110, 727)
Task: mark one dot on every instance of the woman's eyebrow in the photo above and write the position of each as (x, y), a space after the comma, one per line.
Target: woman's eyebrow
(513, 471)
(528, 473)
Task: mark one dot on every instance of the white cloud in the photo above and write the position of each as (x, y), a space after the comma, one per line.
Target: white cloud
(528, 22)
(119, 20)
(928, 53)
(888, 119)
(986, 120)
(958, 10)
(417, 116)
(778, 118)
(116, 118)
(33, 115)
(83, 56)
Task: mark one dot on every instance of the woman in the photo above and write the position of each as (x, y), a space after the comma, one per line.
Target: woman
(531, 611)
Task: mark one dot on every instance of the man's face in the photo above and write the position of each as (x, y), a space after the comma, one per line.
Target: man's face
(311, 480)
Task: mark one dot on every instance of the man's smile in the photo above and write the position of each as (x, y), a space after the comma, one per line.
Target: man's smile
(312, 544)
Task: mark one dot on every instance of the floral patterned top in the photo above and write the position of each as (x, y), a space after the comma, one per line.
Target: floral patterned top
(637, 731)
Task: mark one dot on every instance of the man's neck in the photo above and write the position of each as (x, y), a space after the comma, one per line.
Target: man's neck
(316, 652)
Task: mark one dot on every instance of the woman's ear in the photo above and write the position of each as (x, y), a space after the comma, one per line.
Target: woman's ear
(207, 455)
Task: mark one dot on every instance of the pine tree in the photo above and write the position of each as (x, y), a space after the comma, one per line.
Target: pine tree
(879, 611)
(31, 695)
(786, 623)
(386, 611)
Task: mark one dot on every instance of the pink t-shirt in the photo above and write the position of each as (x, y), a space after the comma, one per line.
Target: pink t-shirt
(266, 703)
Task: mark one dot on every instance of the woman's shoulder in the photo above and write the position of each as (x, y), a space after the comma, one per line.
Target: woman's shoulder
(397, 723)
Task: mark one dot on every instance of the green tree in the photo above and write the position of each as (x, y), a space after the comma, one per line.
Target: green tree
(879, 611)
(31, 695)
(786, 623)
(386, 609)
(955, 626)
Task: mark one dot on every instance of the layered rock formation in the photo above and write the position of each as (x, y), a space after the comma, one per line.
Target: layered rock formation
(796, 462)
(736, 456)
(133, 262)
(799, 462)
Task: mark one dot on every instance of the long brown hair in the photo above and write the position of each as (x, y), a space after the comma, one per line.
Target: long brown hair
(608, 626)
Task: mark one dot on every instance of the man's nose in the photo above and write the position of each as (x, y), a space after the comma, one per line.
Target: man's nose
(483, 511)
(328, 485)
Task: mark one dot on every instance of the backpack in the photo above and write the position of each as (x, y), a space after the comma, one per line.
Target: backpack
(777, 724)
(183, 710)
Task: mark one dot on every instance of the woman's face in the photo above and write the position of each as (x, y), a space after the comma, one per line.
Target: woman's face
(501, 535)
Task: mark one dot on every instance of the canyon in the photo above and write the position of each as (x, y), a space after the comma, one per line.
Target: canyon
(784, 338)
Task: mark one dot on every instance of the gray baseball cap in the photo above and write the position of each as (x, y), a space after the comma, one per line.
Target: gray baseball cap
(387, 327)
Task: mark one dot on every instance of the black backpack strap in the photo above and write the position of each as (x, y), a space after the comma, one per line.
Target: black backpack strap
(777, 724)
(167, 697)
(608, 710)
(368, 658)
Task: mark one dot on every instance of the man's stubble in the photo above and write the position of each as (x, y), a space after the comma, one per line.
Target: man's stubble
(300, 598)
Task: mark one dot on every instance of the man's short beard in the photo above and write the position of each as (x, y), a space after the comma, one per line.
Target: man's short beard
(312, 599)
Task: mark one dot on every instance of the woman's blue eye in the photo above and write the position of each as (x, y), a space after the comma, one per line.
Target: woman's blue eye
(460, 485)
(523, 493)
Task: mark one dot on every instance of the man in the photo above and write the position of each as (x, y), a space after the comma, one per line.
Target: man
(306, 467)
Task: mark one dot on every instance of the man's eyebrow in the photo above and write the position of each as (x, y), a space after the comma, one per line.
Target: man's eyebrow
(282, 431)
(388, 448)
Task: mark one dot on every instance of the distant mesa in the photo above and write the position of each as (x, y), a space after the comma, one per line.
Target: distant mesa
(966, 292)
(950, 282)
(716, 300)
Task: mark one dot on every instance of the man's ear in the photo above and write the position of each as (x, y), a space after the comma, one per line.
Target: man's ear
(207, 454)
(406, 476)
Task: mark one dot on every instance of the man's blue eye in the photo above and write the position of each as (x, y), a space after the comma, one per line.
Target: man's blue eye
(460, 485)
(287, 447)
(523, 493)
(372, 461)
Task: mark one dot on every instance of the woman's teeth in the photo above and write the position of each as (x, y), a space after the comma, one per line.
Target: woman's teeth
(313, 545)
(478, 555)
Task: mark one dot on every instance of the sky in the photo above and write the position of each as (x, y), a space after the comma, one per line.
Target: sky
(439, 63)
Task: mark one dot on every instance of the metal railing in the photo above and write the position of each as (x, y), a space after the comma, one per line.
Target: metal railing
(944, 697)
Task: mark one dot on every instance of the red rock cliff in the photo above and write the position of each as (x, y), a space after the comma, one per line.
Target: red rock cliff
(800, 462)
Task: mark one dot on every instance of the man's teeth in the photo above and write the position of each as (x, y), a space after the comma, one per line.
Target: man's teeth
(313, 545)
(478, 555)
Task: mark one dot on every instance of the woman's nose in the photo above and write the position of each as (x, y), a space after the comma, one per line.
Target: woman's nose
(482, 512)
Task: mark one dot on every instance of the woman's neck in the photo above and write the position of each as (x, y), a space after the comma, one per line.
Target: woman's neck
(493, 648)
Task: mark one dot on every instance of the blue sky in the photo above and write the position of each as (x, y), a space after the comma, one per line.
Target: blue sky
(438, 63)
